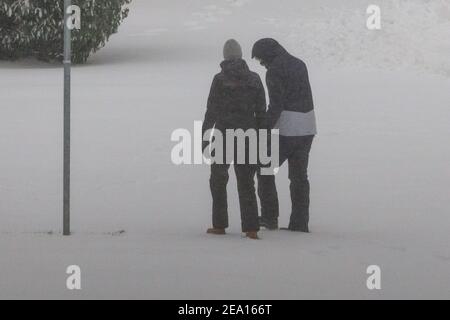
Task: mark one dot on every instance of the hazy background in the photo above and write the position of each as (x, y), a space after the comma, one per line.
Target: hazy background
(379, 167)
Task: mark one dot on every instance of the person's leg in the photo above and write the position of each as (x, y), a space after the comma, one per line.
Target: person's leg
(245, 175)
(268, 197)
(218, 183)
(300, 187)
(267, 190)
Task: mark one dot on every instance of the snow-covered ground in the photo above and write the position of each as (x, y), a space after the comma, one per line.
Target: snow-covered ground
(379, 168)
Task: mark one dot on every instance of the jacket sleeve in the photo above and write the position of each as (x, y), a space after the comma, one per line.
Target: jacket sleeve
(275, 88)
(261, 107)
(211, 109)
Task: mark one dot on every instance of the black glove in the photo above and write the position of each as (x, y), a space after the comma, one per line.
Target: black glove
(205, 145)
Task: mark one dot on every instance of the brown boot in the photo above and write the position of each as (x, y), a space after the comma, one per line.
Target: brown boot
(252, 235)
(216, 231)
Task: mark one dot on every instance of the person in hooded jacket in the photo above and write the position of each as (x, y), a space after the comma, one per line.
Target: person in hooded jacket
(236, 101)
(291, 110)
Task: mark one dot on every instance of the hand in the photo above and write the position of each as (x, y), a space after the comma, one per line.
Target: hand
(205, 145)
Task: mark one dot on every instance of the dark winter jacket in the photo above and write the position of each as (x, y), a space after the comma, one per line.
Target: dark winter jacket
(291, 107)
(237, 99)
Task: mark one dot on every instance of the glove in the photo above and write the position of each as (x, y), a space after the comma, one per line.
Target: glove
(205, 145)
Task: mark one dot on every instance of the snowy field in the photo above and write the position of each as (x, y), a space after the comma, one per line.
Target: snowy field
(379, 169)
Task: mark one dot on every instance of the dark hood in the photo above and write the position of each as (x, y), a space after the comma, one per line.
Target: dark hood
(235, 69)
(267, 50)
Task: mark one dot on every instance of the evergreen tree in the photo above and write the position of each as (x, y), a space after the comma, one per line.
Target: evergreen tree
(34, 28)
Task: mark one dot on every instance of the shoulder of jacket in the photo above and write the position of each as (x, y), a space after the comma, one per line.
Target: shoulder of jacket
(219, 77)
(299, 62)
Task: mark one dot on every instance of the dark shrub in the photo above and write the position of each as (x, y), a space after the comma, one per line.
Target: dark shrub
(34, 28)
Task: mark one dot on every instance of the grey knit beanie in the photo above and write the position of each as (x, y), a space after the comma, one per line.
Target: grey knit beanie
(232, 50)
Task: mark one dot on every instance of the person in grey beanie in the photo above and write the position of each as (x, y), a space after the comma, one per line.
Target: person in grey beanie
(236, 101)
(232, 50)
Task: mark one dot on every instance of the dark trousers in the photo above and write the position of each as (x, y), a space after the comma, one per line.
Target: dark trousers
(296, 151)
(245, 175)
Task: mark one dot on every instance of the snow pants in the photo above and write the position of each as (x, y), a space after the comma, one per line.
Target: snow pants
(296, 151)
(245, 175)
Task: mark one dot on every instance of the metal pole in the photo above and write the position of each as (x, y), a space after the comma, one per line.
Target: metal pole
(67, 67)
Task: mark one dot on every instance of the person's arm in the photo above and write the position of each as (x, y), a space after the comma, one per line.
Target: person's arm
(211, 111)
(261, 107)
(275, 88)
